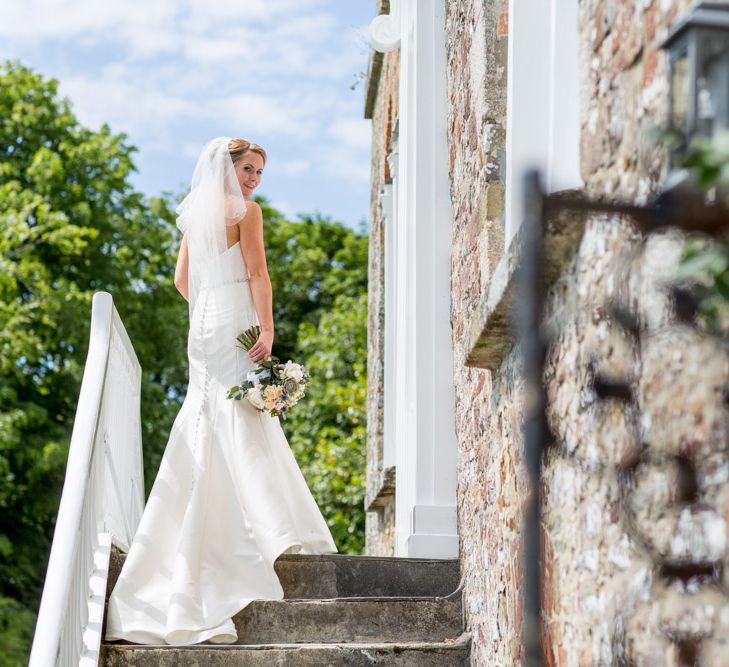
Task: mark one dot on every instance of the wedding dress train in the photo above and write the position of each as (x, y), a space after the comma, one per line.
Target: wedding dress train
(229, 497)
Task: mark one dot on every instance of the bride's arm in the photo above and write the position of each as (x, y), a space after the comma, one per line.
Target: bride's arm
(254, 254)
(181, 269)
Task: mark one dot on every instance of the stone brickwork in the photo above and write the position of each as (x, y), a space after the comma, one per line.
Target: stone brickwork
(624, 93)
(603, 599)
(490, 474)
(607, 524)
(609, 527)
(382, 108)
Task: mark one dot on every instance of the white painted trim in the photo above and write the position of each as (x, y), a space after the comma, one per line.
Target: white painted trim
(106, 432)
(56, 592)
(424, 404)
(431, 531)
(92, 638)
(387, 199)
(385, 29)
(563, 159)
(542, 116)
(527, 116)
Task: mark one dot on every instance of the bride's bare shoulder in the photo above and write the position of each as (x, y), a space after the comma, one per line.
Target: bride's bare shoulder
(252, 221)
(252, 214)
(252, 207)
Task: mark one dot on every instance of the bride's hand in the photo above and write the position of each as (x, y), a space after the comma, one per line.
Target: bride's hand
(262, 347)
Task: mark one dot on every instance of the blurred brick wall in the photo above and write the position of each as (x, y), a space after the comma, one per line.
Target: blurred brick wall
(604, 599)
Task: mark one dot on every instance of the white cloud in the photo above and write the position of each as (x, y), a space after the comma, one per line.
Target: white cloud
(274, 71)
(123, 105)
(257, 65)
(192, 149)
(340, 162)
(295, 167)
(211, 13)
(346, 154)
(277, 33)
(286, 209)
(354, 132)
(141, 109)
(37, 19)
(258, 114)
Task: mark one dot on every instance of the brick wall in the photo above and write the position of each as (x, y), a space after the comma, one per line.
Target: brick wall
(604, 600)
(382, 85)
(487, 416)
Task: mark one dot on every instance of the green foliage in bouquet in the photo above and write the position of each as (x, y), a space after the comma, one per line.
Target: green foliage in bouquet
(274, 387)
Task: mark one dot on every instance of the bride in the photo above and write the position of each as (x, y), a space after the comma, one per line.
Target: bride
(229, 497)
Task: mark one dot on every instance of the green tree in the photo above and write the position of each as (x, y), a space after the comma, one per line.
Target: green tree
(73, 224)
(311, 262)
(328, 428)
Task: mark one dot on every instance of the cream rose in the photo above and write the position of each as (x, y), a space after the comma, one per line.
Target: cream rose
(293, 371)
(255, 398)
(272, 392)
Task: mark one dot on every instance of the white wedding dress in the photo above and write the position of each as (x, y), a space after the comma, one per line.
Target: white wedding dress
(229, 497)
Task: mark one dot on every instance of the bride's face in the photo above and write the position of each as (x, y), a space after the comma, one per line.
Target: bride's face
(249, 170)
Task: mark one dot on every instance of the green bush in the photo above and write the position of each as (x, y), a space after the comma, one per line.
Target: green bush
(72, 224)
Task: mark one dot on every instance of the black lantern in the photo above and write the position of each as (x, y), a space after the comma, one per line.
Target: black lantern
(698, 49)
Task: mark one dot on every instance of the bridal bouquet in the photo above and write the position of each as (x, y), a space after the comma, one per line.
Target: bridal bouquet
(271, 386)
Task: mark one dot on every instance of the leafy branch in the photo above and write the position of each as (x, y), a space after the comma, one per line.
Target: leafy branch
(704, 263)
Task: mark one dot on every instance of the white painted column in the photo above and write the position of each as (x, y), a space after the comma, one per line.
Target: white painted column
(388, 197)
(424, 428)
(542, 74)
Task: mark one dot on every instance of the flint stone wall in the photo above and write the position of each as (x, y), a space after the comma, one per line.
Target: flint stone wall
(605, 530)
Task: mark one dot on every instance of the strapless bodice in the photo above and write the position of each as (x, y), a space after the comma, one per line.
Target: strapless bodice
(230, 267)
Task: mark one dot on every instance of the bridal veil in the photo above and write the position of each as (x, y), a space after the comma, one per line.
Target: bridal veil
(215, 201)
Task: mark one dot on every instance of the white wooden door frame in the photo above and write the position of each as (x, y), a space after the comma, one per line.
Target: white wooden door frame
(422, 409)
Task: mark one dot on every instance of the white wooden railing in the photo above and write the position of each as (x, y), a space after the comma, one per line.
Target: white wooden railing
(102, 499)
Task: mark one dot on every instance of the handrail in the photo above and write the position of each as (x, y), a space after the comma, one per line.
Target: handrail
(105, 448)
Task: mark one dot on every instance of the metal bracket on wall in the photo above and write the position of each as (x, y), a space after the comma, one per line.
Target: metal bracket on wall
(685, 210)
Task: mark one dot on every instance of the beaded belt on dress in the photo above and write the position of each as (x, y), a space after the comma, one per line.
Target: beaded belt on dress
(226, 282)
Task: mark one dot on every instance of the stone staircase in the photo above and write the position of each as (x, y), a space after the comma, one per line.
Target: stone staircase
(337, 610)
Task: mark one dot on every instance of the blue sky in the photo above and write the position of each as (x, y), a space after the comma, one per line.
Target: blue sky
(172, 74)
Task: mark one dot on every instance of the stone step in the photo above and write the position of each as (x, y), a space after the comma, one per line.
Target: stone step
(346, 620)
(453, 651)
(341, 575)
(363, 619)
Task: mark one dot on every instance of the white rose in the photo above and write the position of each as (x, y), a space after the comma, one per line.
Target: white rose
(255, 398)
(293, 371)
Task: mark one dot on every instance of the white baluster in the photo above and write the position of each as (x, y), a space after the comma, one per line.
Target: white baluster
(102, 499)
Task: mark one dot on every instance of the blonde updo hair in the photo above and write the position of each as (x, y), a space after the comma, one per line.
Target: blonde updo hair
(239, 147)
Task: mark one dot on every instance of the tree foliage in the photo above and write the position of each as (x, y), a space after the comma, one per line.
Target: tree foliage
(704, 268)
(72, 224)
